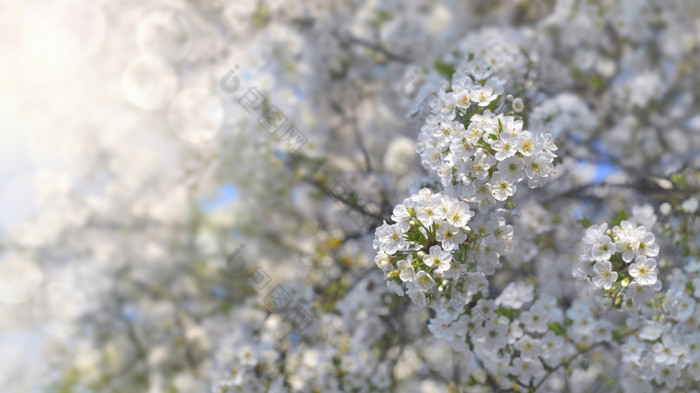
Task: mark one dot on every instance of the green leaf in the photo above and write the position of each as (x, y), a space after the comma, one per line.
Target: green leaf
(505, 312)
(621, 216)
(384, 16)
(509, 204)
(616, 335)
(576, 73)
(493, 136)
(585, 222)
(680, 180)
(444, 69)
(616, 260)
(557, 328)
(597, 82)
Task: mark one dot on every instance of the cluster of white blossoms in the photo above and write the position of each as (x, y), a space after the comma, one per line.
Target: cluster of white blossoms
(509, 341)
(620, 260)
(425, 251)
(479, 154)
(657, 334)
(272, 354)
(664, 351)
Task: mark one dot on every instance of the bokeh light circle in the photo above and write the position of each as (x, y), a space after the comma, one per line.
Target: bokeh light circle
(149, 82)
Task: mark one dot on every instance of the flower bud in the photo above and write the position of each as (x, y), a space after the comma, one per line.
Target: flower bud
(618, 302)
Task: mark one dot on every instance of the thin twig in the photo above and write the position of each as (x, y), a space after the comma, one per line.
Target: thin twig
(570, 359)
(352, 205)
(351, 40)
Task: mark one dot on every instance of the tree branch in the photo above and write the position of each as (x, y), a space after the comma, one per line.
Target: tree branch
(351, 40)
